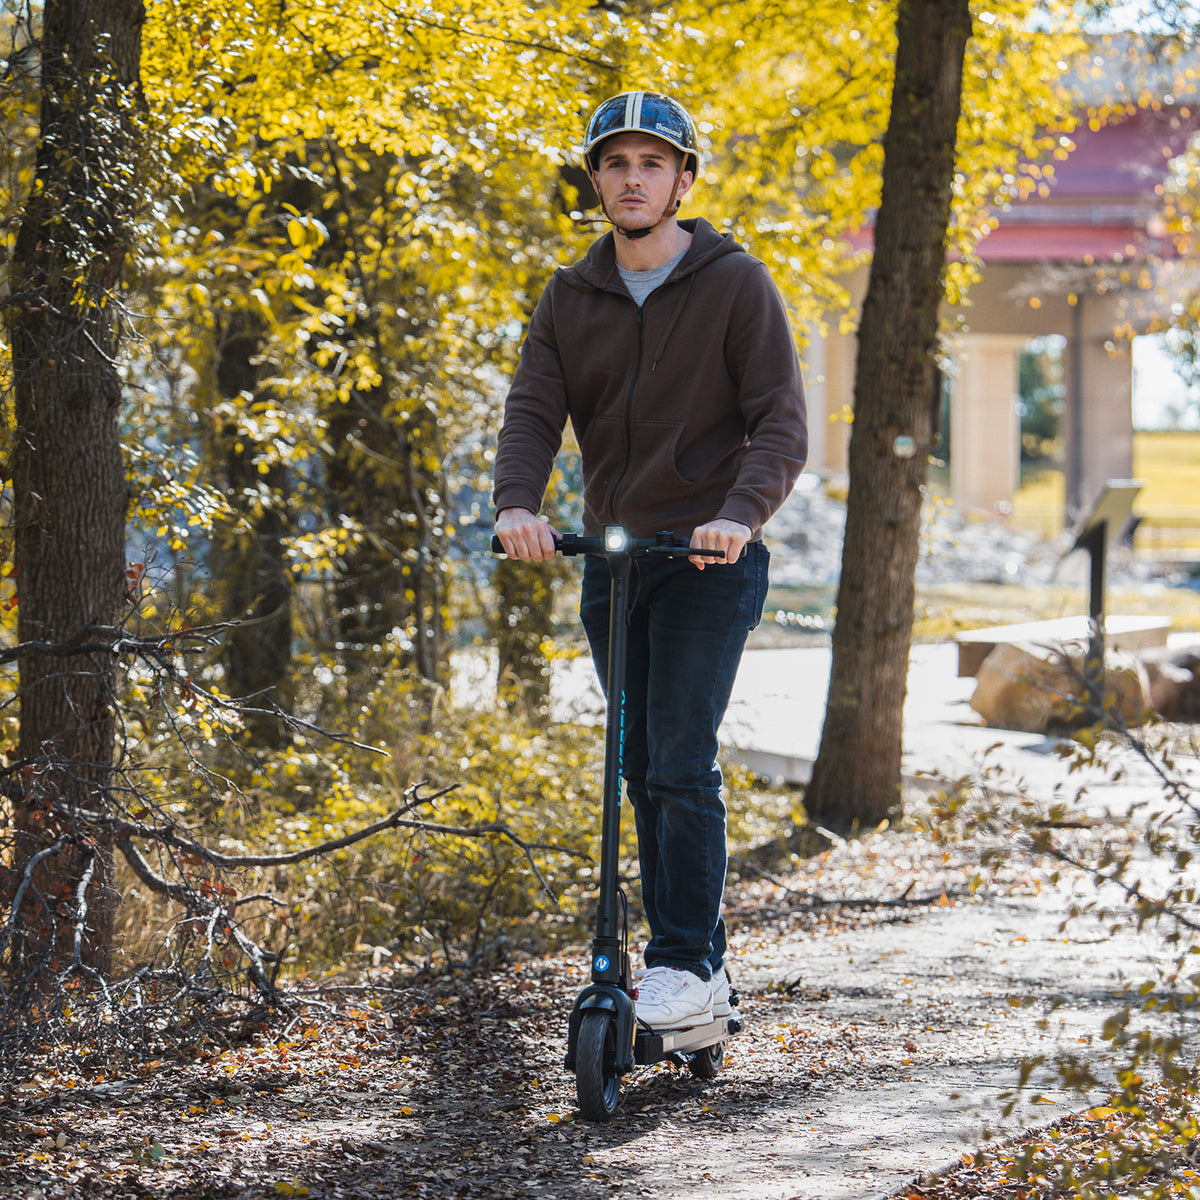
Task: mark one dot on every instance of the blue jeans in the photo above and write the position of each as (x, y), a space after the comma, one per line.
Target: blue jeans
(687, 630)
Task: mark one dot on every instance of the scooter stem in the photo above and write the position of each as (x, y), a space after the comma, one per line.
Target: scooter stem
(608, 946)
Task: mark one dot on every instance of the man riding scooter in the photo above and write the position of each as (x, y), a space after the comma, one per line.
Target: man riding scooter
(668, 348)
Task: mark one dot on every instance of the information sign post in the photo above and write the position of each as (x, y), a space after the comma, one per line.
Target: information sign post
(1108, 517)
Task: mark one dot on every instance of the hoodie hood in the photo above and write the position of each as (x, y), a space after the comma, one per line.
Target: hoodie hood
(598, 269)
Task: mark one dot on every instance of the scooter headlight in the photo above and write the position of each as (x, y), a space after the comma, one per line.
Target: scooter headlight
(616, 538)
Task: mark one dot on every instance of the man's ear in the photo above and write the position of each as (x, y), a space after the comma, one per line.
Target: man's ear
(685, 183)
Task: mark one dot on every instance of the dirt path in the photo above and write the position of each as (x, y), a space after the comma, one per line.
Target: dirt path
(879, 1038)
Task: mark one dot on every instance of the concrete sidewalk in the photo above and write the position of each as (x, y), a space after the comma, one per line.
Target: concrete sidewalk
(936, 993)
(778, 707)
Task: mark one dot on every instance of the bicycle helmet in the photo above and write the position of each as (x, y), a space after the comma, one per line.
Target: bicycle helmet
(644, 112)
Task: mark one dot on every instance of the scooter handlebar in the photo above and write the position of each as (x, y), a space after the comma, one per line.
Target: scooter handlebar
(617, 540)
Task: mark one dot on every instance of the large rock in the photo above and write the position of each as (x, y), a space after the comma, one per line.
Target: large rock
(1174, 675)
(1037, 689)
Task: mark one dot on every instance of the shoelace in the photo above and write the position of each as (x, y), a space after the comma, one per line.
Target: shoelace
(661, 986)
(656, 987)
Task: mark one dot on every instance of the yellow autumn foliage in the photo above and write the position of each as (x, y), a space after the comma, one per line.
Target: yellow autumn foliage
(378, 192)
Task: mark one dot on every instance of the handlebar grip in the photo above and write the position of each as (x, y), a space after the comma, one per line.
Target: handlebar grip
(567, 543)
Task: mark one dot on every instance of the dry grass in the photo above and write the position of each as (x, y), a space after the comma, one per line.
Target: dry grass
(1168, 464)
(943, 611)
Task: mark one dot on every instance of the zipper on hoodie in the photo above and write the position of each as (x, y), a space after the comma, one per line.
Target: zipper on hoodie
(627, 418)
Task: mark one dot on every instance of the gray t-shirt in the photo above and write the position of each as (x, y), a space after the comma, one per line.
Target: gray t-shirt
(642, 283)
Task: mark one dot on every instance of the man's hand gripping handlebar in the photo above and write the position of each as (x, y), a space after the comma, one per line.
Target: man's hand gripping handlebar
(531, 538)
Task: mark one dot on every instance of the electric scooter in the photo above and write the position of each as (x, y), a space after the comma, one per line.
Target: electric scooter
(605, 1040)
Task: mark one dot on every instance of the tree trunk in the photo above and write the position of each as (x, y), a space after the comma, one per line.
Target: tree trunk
(857, 776)
(387, 476)
(69, 488)
(255, 587)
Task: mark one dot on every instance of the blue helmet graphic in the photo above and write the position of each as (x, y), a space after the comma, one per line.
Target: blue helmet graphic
(644, 112)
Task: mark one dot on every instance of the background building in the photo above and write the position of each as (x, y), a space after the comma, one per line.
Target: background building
(1086, 259)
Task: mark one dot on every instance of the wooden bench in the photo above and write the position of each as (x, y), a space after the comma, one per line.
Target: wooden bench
(1120, 632)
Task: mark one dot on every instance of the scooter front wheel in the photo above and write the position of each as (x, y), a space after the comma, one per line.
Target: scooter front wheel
(597, 1085)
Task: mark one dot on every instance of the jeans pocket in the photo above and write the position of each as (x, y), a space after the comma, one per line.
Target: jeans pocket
(758, 563)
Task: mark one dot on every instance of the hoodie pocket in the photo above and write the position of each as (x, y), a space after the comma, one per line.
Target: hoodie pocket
(654, 451)
(652, 490)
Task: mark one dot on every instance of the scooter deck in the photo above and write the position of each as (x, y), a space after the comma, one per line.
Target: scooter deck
(653, 1045)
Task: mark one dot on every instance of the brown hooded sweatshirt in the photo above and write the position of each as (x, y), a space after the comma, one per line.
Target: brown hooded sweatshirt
(686, 410)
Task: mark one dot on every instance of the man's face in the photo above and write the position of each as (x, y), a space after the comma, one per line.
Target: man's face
(634, 175)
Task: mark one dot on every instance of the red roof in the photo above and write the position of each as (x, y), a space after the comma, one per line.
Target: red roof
(1125, 159)
(1063, 243)
(1100, 196)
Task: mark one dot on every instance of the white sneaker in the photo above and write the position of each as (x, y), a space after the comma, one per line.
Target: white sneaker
(720, 994)
(672, 999)
(721, 1004)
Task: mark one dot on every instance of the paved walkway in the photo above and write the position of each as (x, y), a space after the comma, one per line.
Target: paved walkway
(948, 975)
(775, 718)
(778, 707)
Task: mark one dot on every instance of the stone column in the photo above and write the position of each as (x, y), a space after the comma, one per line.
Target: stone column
(985, 425)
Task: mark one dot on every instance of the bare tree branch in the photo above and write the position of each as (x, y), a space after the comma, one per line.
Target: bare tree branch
(217, 914)
(108, 639)
(18, 900)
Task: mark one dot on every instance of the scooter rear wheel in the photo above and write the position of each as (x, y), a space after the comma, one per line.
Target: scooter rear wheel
(706, 1062)
(598, 1087)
